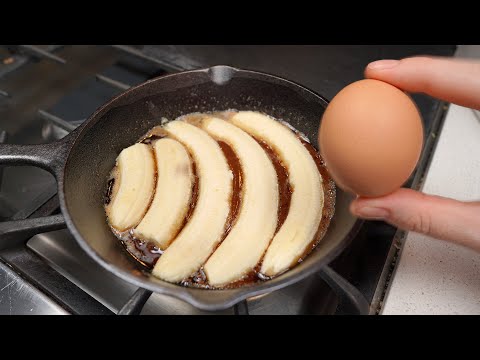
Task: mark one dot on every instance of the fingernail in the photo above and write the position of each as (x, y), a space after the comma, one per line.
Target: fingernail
(372, 213)
(383, 64)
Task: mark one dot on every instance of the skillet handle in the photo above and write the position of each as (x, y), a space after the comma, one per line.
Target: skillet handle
(345, 290)
(50, 157)
(16, 231)
(134, 305)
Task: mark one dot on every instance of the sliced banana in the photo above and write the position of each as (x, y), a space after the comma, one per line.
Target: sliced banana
(306, 204)
(256, 222)
(172, 194)
(135, 179)
(205, 229)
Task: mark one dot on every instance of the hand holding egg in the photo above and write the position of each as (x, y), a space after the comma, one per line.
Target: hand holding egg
(371, 137)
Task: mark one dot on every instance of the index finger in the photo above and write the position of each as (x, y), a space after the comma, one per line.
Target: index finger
(452, 80)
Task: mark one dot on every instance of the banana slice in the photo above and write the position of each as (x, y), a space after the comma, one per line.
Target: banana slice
(306, 204)
(205, 229)
(256, 222)
(172, 194)
(133, 192)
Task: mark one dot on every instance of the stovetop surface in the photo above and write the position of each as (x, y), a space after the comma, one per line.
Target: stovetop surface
(91, 76)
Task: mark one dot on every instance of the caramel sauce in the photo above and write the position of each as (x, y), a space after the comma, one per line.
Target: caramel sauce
(108, 194)
(112, 187)
(147, 254)
(155, 133)
(194, 198)
(284, 188)
(329, 194)
(237, 183)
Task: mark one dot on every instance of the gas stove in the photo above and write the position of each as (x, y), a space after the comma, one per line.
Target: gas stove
(46, 91)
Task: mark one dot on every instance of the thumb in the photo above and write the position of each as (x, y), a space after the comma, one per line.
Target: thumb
(435, 216)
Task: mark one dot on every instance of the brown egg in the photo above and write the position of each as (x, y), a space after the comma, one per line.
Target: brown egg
(371, 137)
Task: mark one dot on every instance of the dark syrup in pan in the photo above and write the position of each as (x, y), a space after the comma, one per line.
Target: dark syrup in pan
(147, 253)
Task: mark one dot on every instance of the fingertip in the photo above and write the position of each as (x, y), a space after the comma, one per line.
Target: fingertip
(384, 202)
(376, 68)
(358, 204)
(353, 206)
(383, 64)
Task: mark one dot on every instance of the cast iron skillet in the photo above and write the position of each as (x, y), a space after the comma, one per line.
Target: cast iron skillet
(82, 161)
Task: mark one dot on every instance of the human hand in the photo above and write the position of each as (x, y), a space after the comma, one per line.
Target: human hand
(456, 81)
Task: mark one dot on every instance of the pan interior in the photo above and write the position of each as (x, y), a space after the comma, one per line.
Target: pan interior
(124, 119)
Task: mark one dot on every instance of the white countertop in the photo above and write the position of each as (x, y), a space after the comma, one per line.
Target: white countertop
(433, 276)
